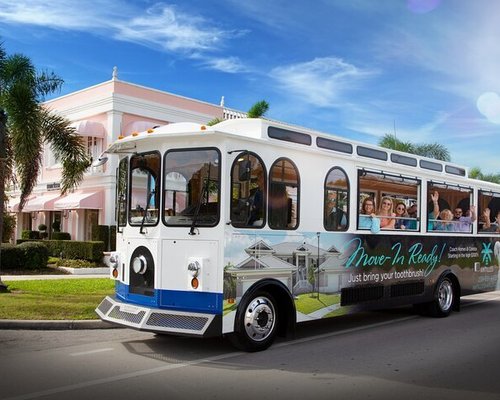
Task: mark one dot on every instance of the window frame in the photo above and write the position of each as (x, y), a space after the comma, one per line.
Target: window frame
(296, 169)
(164, 189)
(325, 197)
(248, 153)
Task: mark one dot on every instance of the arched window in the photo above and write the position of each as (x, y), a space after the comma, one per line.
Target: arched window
(248, 191)
(284, 189)
(336, 209)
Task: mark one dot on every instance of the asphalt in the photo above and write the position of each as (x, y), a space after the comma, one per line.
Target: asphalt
(49, 324)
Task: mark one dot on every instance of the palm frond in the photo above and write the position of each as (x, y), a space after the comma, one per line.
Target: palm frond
(258, 110)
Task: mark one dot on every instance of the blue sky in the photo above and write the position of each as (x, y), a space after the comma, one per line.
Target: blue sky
(427, 69)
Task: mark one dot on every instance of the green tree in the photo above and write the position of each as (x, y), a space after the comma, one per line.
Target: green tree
(25, 126)
(476, 173)
(431, 150)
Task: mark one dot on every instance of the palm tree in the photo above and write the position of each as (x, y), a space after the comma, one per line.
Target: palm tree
(476, 173)
(25, 126)
(258, 110)
(431, 150)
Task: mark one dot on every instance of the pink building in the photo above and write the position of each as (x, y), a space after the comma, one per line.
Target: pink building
(100, 114)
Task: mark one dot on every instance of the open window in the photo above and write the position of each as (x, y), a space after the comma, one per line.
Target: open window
(284, 187)
(248, 191)
(395, 200)
(336, 200)
(449, 208)
(489, 212)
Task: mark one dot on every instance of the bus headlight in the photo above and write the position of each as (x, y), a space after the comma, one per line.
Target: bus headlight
(114, 265)
(194, 269)
(139, 264)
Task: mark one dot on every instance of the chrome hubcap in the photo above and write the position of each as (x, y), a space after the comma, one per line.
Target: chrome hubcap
(445, 295)
(259, 319)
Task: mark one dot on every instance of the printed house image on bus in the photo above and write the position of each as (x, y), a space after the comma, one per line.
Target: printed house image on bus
(246, 227)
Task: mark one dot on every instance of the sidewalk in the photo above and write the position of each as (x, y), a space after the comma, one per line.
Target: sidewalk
(53, 325)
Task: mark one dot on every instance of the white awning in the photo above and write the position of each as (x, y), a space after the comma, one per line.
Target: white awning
(80, 200)
(89, 128)
(41, 203)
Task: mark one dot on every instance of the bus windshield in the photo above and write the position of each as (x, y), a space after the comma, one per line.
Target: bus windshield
(192, 187)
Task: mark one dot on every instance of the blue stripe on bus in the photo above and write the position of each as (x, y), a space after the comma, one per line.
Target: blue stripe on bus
(178, 300)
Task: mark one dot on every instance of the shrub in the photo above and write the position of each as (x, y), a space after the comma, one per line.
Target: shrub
(12, 256)
(77, 263)
(106, 234)
(35, 255)
(42, 227)
(91, 251)
(27, 234)
(61, 235)
(56, 226)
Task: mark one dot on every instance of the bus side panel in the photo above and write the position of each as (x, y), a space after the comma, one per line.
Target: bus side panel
(333, 274)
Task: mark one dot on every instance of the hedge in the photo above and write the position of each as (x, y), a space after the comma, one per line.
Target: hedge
(30, 255)
(72, 249)
(28, 234)
(12, 256)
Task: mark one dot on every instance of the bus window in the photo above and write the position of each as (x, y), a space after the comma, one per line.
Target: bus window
(336, 204)
(283, 195)
(248, 191)
(121, 193)
(449, 208)
(191, 187)
(397, 198)
(144, 189)
(489, 212)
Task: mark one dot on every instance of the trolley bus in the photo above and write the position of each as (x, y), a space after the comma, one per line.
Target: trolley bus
(250, 226)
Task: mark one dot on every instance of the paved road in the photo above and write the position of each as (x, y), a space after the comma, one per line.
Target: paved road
(388, 354)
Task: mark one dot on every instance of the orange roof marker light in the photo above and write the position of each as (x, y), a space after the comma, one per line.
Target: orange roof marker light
(120, 137)
(134, 134)
(150, 130)
(203, 127)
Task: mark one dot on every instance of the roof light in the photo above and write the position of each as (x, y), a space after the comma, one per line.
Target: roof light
(150, 130)
(203, 127)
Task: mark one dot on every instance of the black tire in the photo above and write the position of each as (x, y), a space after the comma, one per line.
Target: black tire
(257, 322)
(444, 296)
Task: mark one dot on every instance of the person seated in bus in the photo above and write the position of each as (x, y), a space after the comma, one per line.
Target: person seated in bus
(464, 223)
(385, 211)
(487, 225)
(412, 212)
(256, 200)
(434, 213)
(401, 216)
(445, 222)
(367, 218)
(336, 219)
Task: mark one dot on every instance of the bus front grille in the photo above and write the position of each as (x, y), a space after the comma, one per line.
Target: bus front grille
(177, 321)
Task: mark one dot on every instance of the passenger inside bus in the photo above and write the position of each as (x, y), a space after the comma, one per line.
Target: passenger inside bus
(386, 214)
(256, 199)
(487, 225)
(401, 215)
(367, 216)
(336, 219)
(464, 223)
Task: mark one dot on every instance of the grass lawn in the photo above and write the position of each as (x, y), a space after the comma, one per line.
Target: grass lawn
(54, 299)
(307, 304)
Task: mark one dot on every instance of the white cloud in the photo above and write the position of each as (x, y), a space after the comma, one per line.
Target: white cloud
(230, 65)
(322, 82)
(162, 26)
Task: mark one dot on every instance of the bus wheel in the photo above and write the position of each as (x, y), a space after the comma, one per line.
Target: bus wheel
(442, 304)
(257, 323)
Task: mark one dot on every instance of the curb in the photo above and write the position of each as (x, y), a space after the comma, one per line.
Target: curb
(46, 325)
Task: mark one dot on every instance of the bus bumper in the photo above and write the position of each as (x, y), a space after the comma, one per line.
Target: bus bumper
(158, 320)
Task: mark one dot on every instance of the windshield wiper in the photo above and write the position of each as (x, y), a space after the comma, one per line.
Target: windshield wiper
(204, 190)
(146, 210)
